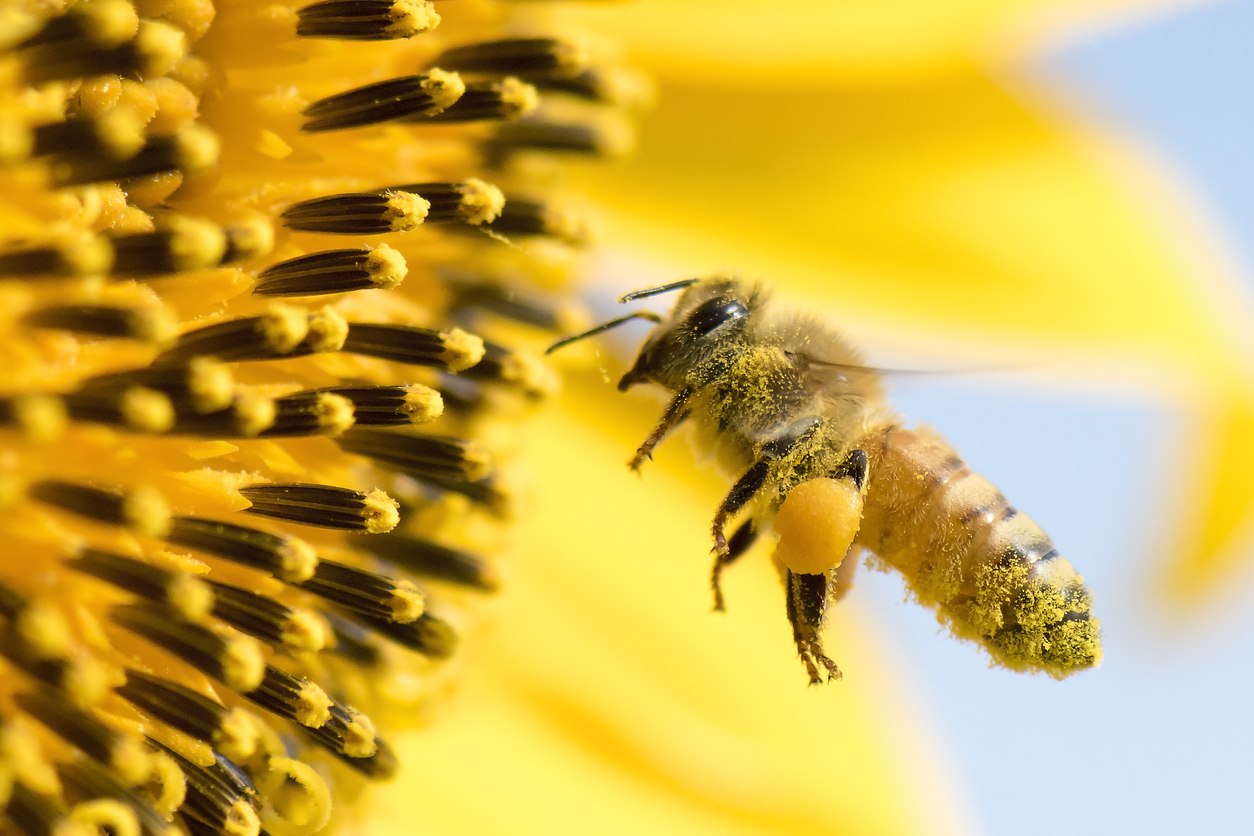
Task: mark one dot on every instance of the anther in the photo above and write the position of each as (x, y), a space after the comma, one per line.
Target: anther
(265, 618)
(420, 455)
(136, 408)
(310, 413)
(82, 255)
(220, 799)
(287, 558)
(248, 238)
(125, 756)
(548, 312)
(520, 216)
(143, 511)
(41, 418)
(184, 244)
(508, 98)
(292, 698)
(384, 101)
(152, 52)
(226, 729)
(203, 385)
(333, 271)
(84, 779)
(350, 737)
(36, 814)
(183, 593)
(192, 149)
(358, 214)
(117, 134)
(523, 372)
(79, 678)
(452, 351)
(602, 138)
(272, 334)
(432, 637)
(523, 57)
(392, 405)
(472, 201)
(324, 506)
(248, 415)
(366, 593)
(433, 561)
(154, 325)
(366, 20)
(236, 660)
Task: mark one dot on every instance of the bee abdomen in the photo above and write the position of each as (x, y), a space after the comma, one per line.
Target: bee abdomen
(991, 572)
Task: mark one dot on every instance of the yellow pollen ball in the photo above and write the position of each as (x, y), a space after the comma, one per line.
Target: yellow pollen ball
(816, 525)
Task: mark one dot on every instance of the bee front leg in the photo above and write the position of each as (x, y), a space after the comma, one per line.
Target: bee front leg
(807, 604)
(675, 414)
(741, 492)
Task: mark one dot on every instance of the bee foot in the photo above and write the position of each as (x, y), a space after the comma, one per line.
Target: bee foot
(816, 662)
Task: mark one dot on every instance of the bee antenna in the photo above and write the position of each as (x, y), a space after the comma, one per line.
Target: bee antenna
(605, 326)
(654, 291)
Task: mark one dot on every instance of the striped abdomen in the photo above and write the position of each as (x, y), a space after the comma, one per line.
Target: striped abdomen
(990, 572)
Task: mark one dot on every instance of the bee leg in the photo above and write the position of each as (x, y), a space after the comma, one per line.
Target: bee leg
(741, 492)
(807, 603)
(740, 542)
(674, 415)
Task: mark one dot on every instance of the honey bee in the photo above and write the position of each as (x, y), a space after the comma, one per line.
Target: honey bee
(780, 398)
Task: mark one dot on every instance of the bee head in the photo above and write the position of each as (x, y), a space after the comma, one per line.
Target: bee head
(708, 320)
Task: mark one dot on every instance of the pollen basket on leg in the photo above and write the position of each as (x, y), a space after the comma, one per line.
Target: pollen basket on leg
(199, 627)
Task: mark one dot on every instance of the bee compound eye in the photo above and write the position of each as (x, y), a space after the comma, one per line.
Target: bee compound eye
(715, 312)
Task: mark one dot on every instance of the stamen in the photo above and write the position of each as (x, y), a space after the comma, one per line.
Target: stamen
(324, 506)
(532, 217)
(452, 351)
(267, 619)
(392, 405)
(366, 20)
(420, 455)
(142, 511)
(237, 661)
(219, 799)
(431, 560)
(549, 313)
(182, 592)
(226, 729)
(40, 418)
(287, 558)
(81, 679)
(81, 255)
(37, 624)
(333, 271)
(472, 201)
(103, 815)
(194, 148)
(508, 98)
(248, 415)
(350, 736)
(365, 592)
(358, 214)
(516, 370)
(104, 23)
(154, 50)
(136, 408)
(117, 134)
(617, 86)
(310, 413)
(483, 492)
(247, 338)
(36, 814)
(397, 98)
(353, 641)
(247, 239)
(603, 138)
(155, 325)
(515, 56)
(125, 756)
(203, 385)
(292, 698)
(184, 244)
(86, 780)
(430, 636)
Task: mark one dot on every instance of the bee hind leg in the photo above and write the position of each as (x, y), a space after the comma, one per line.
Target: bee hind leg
(807, 604)
(744, 489)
